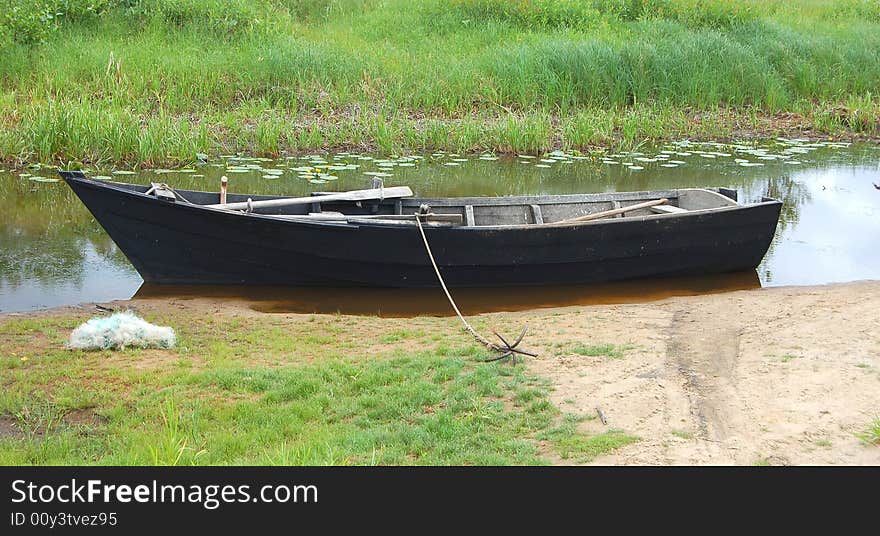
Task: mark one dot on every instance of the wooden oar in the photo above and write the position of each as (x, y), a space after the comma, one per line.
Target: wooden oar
(612, 212)
(452, 218)
(378, 218)
(353, 195)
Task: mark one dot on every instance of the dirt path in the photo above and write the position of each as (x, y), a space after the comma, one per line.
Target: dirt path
(772, 376)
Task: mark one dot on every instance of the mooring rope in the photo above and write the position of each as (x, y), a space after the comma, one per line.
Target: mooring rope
(467, 326)
(507, 349)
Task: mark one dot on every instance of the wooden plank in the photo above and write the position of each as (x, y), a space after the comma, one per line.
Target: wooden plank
(558, 199)
(353, 195)
(387, 219)
(537, 215)
(411, 222)
(469, 215)
(338, 216)
(330, 216)
(667, 209)
(612, 212)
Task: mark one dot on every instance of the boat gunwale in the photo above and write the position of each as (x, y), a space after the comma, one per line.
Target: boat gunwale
(121, 188)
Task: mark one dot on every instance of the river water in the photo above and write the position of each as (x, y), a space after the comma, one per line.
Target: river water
(53, 253)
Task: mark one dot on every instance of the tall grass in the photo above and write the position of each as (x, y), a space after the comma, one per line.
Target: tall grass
(154, 80)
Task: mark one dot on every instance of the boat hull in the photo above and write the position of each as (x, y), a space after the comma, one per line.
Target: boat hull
(184, 244)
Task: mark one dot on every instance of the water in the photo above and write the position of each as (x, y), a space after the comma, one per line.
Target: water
(53, 253)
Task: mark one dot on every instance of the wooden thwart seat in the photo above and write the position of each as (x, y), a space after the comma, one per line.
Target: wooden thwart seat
(667, 209)
(469, 215)
(537, 214)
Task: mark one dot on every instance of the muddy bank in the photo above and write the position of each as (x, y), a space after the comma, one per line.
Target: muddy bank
(786, 375)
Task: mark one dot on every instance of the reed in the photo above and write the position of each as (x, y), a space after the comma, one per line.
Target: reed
(154, 81)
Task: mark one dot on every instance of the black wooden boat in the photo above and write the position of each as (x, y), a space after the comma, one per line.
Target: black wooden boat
(372, 239)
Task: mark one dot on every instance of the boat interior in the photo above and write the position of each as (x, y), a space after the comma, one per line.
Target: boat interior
(459, 211)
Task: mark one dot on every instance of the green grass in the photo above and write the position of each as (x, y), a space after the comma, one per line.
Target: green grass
(155, 81)
(576, 447)
(264, 389)
(871, 434)
(681, 434)
(601, 350)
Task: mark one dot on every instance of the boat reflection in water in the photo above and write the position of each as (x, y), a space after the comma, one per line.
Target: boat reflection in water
(401, 302)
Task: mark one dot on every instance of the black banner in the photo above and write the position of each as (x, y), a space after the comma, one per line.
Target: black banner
(124, 499)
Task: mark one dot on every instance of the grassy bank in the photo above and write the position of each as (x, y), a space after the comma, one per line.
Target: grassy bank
(154, 81)
(248, 388)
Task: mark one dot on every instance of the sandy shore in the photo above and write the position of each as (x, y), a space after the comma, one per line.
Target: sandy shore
(769, 376)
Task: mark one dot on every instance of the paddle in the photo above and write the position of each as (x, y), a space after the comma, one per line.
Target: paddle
(612, 212)
(353, 195)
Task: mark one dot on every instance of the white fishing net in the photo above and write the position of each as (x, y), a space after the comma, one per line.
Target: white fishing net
(119, 331)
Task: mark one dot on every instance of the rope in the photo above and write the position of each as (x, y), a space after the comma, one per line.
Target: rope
(170, 189)
(467, 326)
(507, 349)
